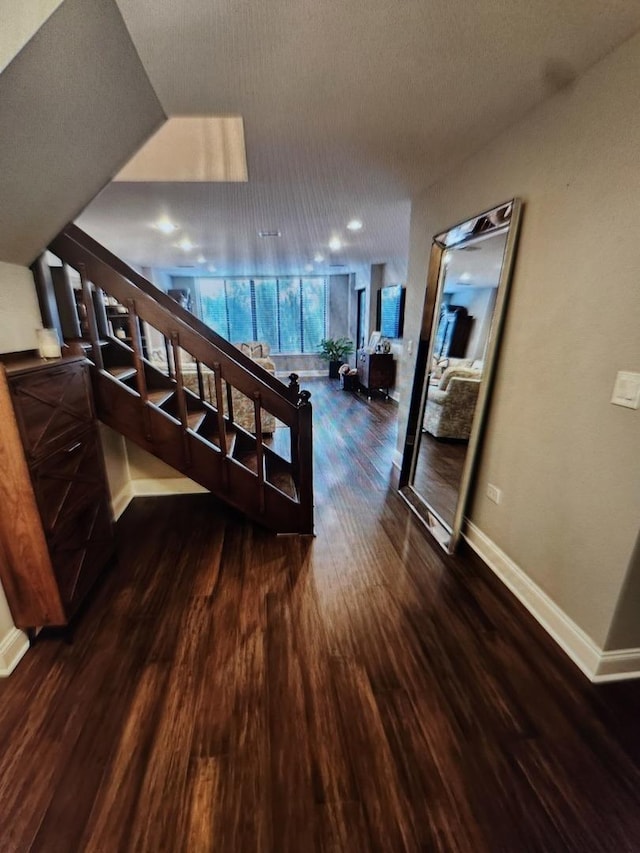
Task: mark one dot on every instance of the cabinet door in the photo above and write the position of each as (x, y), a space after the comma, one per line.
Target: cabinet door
(67, 480)
(79, 551)
(51, 406)
(381, 371)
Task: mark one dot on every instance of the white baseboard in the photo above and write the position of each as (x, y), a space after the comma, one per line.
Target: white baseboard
(618, 665)
(595, 663)
(12, 649)
(283, 375)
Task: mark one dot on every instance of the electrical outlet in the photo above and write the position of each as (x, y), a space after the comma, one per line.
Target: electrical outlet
(626, 391)
(494, 493)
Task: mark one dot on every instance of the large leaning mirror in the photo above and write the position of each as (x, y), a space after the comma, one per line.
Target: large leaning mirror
(467, 284)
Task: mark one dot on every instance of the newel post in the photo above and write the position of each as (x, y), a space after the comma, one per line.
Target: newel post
(305, 461)
(293, 390)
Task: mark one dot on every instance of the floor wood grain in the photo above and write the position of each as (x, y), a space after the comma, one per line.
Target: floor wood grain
(228, 690)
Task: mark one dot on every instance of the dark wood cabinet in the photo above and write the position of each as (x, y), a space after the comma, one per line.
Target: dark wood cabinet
(376, 371)
(56, 527)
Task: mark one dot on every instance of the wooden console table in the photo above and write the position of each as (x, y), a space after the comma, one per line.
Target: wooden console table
(376, 371)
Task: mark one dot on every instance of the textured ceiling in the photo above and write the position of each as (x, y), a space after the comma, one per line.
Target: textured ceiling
(349, 108)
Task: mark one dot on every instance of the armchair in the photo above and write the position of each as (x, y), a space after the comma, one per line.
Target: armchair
(450, 407)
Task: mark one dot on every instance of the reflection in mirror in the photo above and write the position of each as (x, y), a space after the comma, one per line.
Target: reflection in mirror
(469, 270)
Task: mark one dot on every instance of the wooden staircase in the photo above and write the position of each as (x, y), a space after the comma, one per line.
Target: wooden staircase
(146, 400)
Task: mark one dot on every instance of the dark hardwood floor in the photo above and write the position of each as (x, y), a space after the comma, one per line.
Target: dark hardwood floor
(439, 473)
(229, 690)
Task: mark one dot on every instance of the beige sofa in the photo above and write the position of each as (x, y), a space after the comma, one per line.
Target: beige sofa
(451, 405)
(243, 409)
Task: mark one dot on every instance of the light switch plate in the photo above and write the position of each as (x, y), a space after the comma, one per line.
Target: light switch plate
(626, 391)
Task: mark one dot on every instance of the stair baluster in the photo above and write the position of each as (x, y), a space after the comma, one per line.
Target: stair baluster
(259, 448)
(136, 346)
(230, 404)
(180, 396)
(200, 380)
(222, 431)
(167, 350)
(304, 456)
(87, 301)
(138, 364)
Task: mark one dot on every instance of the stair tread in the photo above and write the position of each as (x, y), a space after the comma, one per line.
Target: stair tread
(121, 373)
(248, 458)
(159, 395)
(195, 419)
(284, 481)
(277, 476)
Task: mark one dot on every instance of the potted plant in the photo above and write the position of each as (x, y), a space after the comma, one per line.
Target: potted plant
(335, 351)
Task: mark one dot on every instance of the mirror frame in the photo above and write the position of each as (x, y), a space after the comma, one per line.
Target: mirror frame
(447, 535)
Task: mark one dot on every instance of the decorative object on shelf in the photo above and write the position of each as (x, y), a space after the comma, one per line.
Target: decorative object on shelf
(335, 350)
(374, 341)
(48, 343)
(385, 345)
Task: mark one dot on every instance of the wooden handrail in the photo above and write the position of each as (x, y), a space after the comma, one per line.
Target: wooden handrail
(84, 241)
(161, 312)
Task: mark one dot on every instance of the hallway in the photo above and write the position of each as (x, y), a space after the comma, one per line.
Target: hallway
(229, 690)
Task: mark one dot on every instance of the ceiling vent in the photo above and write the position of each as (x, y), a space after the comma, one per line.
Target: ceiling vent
(269, 234)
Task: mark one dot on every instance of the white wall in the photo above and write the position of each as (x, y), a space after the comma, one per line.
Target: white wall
(568, 461)
(19, 312)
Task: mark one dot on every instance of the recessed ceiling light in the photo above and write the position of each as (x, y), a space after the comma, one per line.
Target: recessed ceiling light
(355, 225)
(201, 259)
(319, 258)
(465, 277)
(185, 244)
(272, 233)
(309, 268)
(165, 225)
(211, 268)
(335, 244)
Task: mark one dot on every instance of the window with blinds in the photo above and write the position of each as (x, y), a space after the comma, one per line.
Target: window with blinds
(290, 314)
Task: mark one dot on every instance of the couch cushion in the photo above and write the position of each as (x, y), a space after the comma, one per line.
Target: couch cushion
(254, 349)
(461, 373)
